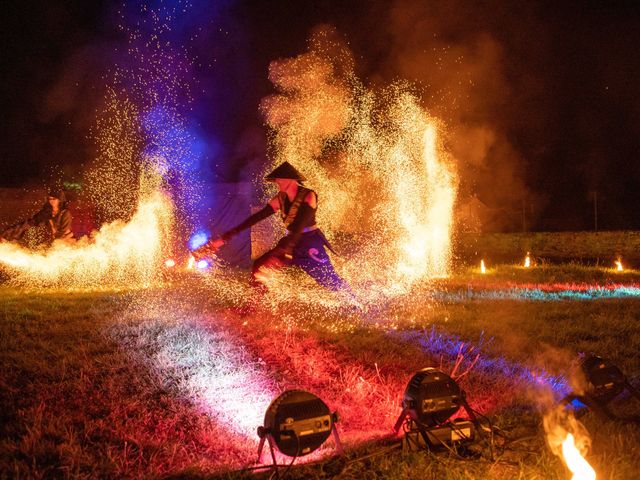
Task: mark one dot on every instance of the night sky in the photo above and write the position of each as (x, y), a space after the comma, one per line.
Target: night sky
(540, 100)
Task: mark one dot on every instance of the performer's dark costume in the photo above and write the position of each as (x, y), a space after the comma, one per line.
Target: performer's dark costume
(58, 225)
(304, 245)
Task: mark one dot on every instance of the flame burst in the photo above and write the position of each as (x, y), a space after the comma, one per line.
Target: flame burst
(140, 129)
(527, 261)
(483, 268)
(569, 440)
(386, 185)
(619, 267)
(120, 254)
(575, 462)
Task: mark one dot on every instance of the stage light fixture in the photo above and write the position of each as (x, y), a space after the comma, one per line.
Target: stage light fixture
(297, 423)
(430, 400)
(604, 382)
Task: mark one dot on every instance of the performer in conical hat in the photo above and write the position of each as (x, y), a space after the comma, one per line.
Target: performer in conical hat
(304, 245)
(285, 171)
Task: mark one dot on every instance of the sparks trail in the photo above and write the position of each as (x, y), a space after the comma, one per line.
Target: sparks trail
(363, 381)
(385, 182)
(141, 132)
(121, 254)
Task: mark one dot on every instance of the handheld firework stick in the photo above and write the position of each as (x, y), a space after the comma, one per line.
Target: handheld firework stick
(208, 250)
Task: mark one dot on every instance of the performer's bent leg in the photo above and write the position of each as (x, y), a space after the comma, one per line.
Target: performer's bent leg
(324, 274)
(261, 267)
(311, 256)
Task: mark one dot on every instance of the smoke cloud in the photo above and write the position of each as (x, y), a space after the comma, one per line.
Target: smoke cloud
(461, 67)
(374, 157)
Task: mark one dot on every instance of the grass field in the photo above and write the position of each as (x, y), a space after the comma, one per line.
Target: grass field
(172, 382)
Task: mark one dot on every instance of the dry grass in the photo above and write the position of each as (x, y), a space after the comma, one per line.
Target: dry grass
(133, 385)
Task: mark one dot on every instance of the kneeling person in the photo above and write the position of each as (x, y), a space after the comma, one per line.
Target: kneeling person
(303, 246)
(53, 214)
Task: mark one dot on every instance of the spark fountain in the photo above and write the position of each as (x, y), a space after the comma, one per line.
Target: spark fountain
(146, 155)
(121, 254)
(386, 184)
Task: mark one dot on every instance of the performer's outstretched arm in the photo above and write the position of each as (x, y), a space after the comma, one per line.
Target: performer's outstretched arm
(16, 231)
(248, 222)
(215, 243)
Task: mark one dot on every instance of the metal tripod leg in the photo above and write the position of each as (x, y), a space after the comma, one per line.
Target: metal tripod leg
(260, 447)
(400, 421)
(273, 455)
(336, 439)
(264, 433)
(472, 416)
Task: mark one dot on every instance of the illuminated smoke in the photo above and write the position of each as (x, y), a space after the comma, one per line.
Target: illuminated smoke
(386, 186)
(469, 82)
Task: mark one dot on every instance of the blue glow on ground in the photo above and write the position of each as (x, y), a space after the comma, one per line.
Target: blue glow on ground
(449, 346)
(577, 404)
(198, 239)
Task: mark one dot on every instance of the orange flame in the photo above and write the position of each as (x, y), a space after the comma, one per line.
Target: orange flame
(483, 268)
(575, 462)
(619, 265)
(387, 187)
(569, 440)
(527, 261)
(120, 254)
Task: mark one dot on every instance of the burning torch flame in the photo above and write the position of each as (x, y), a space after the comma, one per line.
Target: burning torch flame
(527, 261)
(483, 269)
(569, 440)
(575, 461)
(619, 265)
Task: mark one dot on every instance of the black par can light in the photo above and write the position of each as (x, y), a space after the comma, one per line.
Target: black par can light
(430, 400)
(297, 423)
(432, 397)
(604, 382)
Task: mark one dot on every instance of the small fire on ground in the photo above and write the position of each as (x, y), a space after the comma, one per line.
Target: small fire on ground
(575, 462)
(569, 440)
